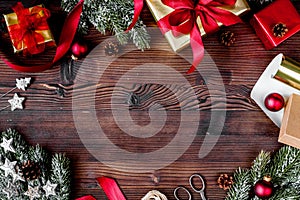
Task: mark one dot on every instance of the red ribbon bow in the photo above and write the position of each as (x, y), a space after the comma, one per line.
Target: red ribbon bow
(183, 20)
(67, 35)
(26, 32)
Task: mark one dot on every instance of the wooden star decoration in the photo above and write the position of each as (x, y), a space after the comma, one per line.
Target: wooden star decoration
(16, 102)
(49, 188)
(22, 83)
(6, 145)
(32, 192)
(8, 167)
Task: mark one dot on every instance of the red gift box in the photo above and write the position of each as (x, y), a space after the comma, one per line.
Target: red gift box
(28, 29)
(279, 12)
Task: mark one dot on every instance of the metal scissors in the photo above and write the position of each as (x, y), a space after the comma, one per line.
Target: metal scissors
(198, 190)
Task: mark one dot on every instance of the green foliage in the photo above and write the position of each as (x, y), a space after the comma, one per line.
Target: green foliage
(113, 16)
(288, 193)
(61, 176)
(19, 145)
(55, 169)
(284, 169)
(259, 166)
(241, 187)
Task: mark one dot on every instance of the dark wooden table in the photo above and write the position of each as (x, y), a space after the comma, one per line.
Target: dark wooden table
(50, 113)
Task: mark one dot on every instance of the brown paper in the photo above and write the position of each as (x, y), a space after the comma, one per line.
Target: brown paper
(290, 127)
(160, 10)
(12, 19)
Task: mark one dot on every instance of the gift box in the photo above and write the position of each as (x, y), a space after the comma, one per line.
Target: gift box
(180, 41)
(276, 23)
(28, 29)
(289, 130)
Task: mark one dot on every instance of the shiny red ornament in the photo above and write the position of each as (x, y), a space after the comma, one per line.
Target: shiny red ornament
(79, 49)
(274, 102)
(264, 188)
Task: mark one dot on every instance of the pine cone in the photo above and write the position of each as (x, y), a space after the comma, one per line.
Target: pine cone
(30, 170)
(227, 38)
(279, 30)
(225, 181)
(112, 48)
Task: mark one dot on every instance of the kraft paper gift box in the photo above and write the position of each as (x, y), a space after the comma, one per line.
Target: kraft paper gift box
(290, 127)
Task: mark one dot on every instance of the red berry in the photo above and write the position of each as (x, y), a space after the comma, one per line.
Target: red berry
(79, 49)
(274, 102)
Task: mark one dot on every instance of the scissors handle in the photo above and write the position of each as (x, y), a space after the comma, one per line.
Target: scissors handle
(183, 188)
(199, 190)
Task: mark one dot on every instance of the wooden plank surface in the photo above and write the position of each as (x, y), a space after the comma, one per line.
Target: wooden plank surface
(52, 105)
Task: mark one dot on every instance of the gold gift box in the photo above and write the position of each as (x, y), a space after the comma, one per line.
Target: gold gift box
(289, 130)
(160, 10)
(12, 19)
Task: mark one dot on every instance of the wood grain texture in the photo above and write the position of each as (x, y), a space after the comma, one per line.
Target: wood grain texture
(53, 101)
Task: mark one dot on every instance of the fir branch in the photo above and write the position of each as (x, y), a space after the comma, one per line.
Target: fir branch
(288, 193)
(61, 176)
(59, 172)
(255, 198)
(284, 168)
(18, 144)
(258, 169)
(40, 156)
(140, 37)
(241, 186)
(112, 16)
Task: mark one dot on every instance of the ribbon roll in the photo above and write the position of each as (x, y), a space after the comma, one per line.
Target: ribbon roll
(154, 195)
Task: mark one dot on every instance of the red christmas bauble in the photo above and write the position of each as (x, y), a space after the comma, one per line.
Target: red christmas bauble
(79, 49)
(274, 102)
(264, 188)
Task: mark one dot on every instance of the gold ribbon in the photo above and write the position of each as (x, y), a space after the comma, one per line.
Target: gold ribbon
(289, 72)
